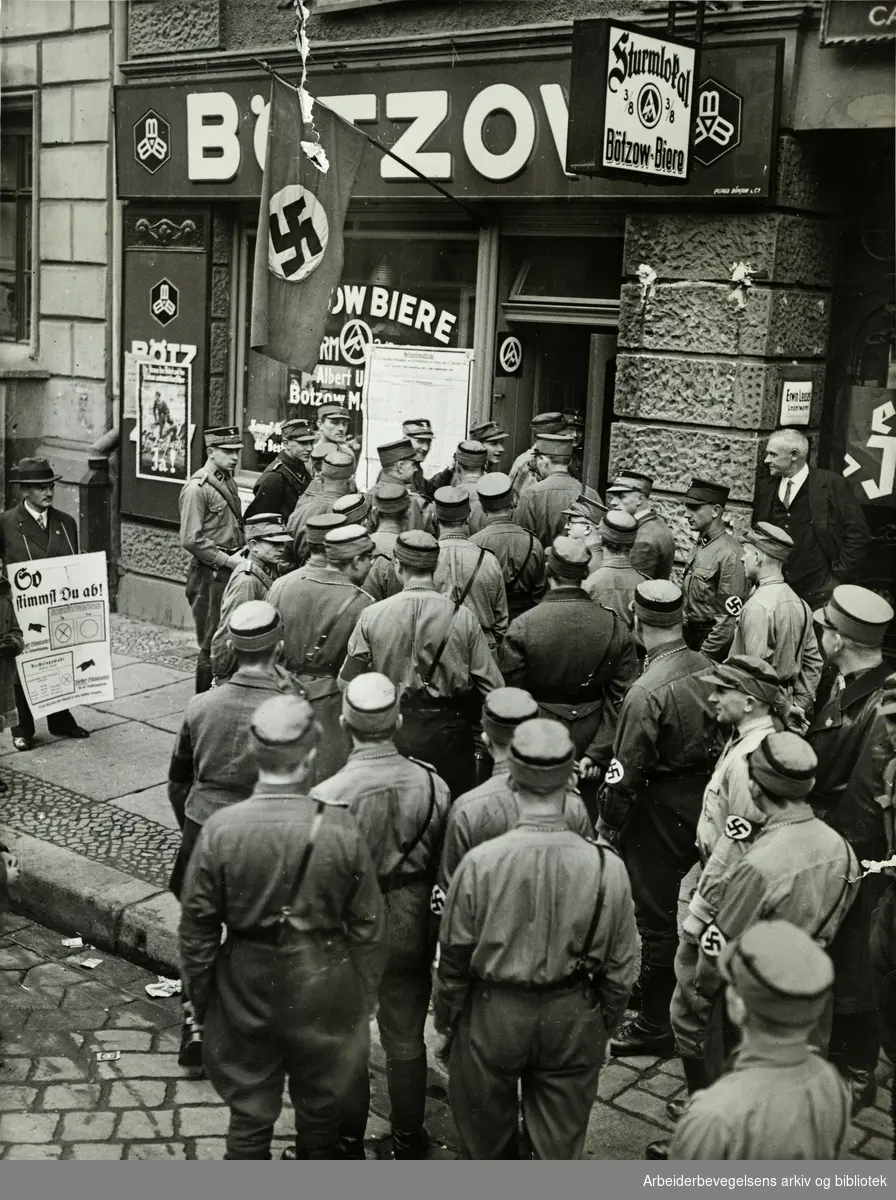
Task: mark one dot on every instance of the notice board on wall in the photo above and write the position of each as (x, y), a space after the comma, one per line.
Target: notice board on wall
(409, 382)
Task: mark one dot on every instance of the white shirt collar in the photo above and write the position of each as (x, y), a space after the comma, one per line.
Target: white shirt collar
(40, 515)
(797, 480)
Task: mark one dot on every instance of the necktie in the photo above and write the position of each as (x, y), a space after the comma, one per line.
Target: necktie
(788, 493)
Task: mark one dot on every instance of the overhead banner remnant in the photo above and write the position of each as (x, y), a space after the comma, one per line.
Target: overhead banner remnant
(299, 251)
(631, 104)
(62, 606)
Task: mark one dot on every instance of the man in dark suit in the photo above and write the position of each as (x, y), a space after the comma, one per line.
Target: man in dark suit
(819, 510)
(32, 529)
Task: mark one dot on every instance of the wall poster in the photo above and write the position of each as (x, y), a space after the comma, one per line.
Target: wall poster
(163, 442)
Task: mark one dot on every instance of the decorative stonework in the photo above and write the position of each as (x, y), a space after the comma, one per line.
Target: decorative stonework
(150, 550)
(217, 400)
(779, 247)
(803, 180)
(222, 238)
(218, 347)
(170, 26)
(167, 232)
(700, 318)
(705, 391)
(220, 292)
(675, 456)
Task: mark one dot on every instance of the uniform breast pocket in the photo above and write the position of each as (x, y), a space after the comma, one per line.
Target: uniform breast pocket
(215, 509)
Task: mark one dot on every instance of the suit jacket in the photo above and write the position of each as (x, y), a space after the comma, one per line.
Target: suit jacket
(836, 516)
(22, 538)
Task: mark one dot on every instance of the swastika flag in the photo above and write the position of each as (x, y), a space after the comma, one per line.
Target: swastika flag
(298, 254)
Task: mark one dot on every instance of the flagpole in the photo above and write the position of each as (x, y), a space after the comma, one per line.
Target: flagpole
(470, 212)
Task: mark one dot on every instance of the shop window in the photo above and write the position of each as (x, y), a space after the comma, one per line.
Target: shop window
(16, 167)
(567, 280)
(401, 289)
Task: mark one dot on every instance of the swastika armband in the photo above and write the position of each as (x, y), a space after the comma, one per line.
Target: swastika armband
(734, 606)
(738, 829)
(437, 901)
(713, 941)
(615, 772)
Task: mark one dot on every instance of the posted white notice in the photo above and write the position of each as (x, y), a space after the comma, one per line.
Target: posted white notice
(62, 605)
(405, 382)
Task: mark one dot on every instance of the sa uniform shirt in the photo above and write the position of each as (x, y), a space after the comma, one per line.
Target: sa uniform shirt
(488, 811)
(715, 587)
(210, 516)
(776, 626)
(798, 870)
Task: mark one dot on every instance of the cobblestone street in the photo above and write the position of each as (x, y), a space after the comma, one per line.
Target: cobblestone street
(58, 1100)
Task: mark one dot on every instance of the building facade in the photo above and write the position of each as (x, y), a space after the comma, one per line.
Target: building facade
(58, 253)
(770, 276)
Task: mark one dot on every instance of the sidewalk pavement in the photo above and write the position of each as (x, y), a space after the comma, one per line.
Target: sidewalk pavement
(96, 839)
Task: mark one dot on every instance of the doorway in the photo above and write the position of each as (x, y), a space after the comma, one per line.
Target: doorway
(566, 368)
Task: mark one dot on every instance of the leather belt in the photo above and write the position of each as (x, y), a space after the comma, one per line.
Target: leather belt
(566, 984)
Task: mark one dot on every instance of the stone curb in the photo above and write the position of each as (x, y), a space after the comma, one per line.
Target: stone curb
(110, 910)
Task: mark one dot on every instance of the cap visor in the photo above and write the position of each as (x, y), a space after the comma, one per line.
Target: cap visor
(717, 680)
(276, 537)
(820, 617)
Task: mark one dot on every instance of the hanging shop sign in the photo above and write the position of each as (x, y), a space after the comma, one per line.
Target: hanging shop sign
(631, 103)
(496, 131)
(847, 22)
(870, 459)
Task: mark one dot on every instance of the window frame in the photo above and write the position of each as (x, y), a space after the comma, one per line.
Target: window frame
(18, 118)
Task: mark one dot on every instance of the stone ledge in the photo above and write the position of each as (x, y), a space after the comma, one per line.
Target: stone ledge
(706, 391)
(700, 318)
(781, 247)
(674, 456)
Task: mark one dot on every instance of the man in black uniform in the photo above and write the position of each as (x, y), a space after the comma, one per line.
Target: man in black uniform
(283, 481)
(652, 799)
(288, 995)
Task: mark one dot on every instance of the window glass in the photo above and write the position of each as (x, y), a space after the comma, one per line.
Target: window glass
(15, 226)
(414, 291)
(587, 268)
(7, 268)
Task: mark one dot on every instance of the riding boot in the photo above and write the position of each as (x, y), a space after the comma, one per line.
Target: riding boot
(406, 1080)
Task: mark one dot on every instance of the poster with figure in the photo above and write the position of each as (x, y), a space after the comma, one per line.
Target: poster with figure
(62, 606)
(163, 442)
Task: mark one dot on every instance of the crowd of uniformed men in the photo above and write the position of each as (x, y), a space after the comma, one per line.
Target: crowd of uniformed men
(458, 742)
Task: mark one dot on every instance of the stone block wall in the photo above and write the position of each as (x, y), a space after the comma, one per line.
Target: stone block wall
(62, 54)
(698, 375)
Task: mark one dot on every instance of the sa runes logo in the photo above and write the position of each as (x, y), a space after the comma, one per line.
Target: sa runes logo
(298, 235)
(510, 355)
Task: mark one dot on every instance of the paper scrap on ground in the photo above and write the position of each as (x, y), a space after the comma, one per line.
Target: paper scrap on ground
(73, 943)
(90, 963)
(163, 988)
(108, 1055)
